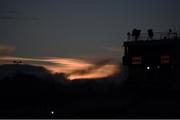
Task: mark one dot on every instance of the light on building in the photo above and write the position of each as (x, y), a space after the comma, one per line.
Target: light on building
(136, 60)
(148, 68)
(165, 59)
(52, 112)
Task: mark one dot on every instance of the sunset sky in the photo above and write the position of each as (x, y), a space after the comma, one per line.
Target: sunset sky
(80, 30)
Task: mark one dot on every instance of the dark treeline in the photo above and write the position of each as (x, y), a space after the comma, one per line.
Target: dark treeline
(32, 92)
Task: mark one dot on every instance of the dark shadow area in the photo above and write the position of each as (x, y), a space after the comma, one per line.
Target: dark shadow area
(27, 95)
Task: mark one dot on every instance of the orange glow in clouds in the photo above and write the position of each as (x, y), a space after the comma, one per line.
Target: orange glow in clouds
(105, 71)
(73, 68)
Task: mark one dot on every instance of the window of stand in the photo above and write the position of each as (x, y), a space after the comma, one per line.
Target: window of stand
(136, 60)
(165, 59)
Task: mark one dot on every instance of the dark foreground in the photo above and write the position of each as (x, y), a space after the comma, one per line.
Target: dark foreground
(28, 96)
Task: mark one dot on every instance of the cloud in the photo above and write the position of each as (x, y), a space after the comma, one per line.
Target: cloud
(19, 18)
(74, 68)
(93, 68)
(101, 72)
(6, 50)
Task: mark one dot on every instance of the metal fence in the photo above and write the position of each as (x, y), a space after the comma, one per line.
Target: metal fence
(156, 36)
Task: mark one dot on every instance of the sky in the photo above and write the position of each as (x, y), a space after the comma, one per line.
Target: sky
(79, 29)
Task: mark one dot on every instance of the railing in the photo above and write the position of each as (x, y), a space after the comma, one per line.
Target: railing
(156, 36)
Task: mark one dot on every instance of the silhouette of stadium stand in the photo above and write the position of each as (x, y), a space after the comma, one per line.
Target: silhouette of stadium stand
(152, 58)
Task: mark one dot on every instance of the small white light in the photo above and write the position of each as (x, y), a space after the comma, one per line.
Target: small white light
(52, 112)
(148, 68)
(158, 67)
